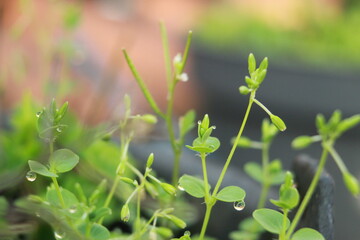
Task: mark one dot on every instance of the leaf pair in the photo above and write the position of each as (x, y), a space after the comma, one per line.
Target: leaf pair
(62, 160)
(273, 221)
(196, 188)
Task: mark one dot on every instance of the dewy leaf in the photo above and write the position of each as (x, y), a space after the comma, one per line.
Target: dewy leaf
(270, 219)
(308, 234)
(254, 170)
(99, 232)
(193, 186)
(69, 198)
(40, 169)
(231, 194)
(63, 160)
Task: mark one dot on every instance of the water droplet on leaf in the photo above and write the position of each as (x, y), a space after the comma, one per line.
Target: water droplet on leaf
(31, 176)
(59, 235)
(58, 130)
(72, 209)
(239, 206)
(180, 187)
(187, 233)
(38, 114)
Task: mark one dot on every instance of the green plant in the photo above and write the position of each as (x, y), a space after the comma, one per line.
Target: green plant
(127, 191)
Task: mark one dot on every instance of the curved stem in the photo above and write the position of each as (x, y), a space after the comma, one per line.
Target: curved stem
(226, 165)
(232, 151)
(309, 193)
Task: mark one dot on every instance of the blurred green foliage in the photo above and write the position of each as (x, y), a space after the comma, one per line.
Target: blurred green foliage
(327, 42)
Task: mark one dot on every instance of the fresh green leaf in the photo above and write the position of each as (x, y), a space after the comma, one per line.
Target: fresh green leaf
(254, 170)
(193, 186)
(40, 169)
(69, 198)
(63, 160)
(307, 234)
(270, 219)
(99, 232)
(301, 142)
(100, 213)
(231, 194)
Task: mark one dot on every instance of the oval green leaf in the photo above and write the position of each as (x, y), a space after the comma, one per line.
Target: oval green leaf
(41, 169)
(308, 234)
(254, 170)
(193, 186)
(270, 219)
(63, 160)
(231, 194)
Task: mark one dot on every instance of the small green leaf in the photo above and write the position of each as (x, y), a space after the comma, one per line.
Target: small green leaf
(301, 142)
(99, 232)
(231, 194)
(186, 122)
(307, 234)
(348, 123)
(164, 232)
(100, 213)
(270, 219)
(351, 183)
(264, 64)
(69, 198)
(40, 169)
(193, 186)
(254, 170)
(289, 198)
(63, 160)
(150, 160)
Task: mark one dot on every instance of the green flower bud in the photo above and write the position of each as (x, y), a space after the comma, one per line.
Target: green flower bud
(170, 189)
(278, 122)
(251, 63)
(149, 118)
(244, 90)
(150, 160)
(125, 213)
(351, 183)
(264, 64)
(301, 142)
(127, 180)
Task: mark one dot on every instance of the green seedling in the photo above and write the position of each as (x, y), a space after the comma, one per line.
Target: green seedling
(205, 144)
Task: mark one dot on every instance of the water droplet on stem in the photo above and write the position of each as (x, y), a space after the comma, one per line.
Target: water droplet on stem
(239, 206)
(59, 235)
(38, 114)
(58, 130)
(31, 176)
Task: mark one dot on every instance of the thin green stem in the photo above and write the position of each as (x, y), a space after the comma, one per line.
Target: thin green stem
(203, 162)
(186, 51)
(265, 183)
(58, 192)
(282, 235)
(263, 107)
(337, 159)
(309, 193)
(206, 220)
(232, 151)
(226, 165)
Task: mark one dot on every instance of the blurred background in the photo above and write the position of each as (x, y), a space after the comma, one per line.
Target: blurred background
(71, 50)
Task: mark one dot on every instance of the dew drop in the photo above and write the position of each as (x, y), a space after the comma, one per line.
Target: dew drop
(37, 214)
(214, 127)
(187, 233)
(31, 176)
(239, 206)
(199, 122)
(58, 130)
(59, 235)
(180, 187)
(72, 209)
(38, 114)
